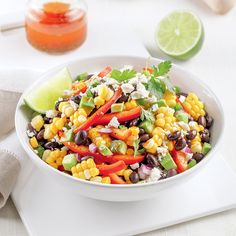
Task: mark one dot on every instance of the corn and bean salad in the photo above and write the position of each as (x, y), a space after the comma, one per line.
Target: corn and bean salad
(122, 126)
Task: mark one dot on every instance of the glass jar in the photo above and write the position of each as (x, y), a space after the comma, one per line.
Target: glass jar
(56, 26)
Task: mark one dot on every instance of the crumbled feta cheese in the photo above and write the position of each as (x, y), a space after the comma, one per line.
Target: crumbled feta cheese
(51, 113)
(183, 125)
(134, 166)
(81, 118)
(87, 174)
(127, 88)
(110, 81)
(162, 151)
(154, 107)
(171, 110)
(152, 99)
(114, 122)
(140, 93)
(74, 105)
(134, 81)
(30, 134)
(142, 78)
(182, 98)
(154, 176)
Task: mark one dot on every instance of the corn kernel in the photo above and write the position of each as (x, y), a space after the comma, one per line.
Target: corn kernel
(91, 163)
(60, 123)
(62, 105)
(98, 101)
(46, 154)
(197, 147)
(54, 165)
(130, 105)
(106, 180)
(73, 170)
(109, 95)
(79, 167)
(69, 111)
(33, 142)
(160, 122)
(87, 174)
(97, 179)
(130, 151)
(84, 165)
(134, 130)
(94, 171)
(170, 146)
(127, 173)
(37, 122)
(81, 175)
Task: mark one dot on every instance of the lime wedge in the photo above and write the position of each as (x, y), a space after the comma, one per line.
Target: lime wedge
(180, 35)
(43, 98)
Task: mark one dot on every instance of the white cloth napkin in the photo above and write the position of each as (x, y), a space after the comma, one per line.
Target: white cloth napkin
(12, 84)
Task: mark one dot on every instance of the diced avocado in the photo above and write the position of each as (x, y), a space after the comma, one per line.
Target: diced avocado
(206, 148)
(161, 103)
(118, 146)
(68, 136)
(89, 94)
(141, 101)
(40, 151)
(69, 161)
(178, 107)
(81, 76)
(117, 107)
(167, 162)
(182, 117)
(104, 150)
(122, 127)
(147, 125)
(192, 163)
(87, 102)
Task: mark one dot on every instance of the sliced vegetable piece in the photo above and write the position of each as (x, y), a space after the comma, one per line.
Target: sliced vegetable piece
(112, 168)
(128, 159)
(118, 146)
(117, 107)
(100, 112)
(81, 90)
(67, 136)
(167, 162)
(69, 161)
(86, 102)
(147, 125)
(104, 150)
(182, 116)
(161, 103)
(206, 148)
(192, 163)
(121, 116)
(121, 134)
(115, 179)
(180, 160)
(105, 72)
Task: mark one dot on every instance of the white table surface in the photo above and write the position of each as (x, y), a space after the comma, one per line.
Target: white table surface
(215, 64)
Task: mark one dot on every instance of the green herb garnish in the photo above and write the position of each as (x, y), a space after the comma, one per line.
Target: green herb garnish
(82, 76)
(136, 146)
(162, 69)
(121, 76)
(147, 115)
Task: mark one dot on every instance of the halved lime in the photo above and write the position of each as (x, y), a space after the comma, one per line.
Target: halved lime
(180, 35)
(43, 98)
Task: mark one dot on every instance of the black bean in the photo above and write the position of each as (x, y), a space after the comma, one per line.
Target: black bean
(205, 135)
(141, 131)
(51, 145)
(141, 144)
(171, 173)
(209, 121)
(174, 135)
(87, 142)
(134, 122)
(111, 87)
(86, 158)
(198, 156)
(31, 129)
(134, 177)
(123, 98)
(182, 94)
(202, 121)
(47, 120)
(152, 160)
(188, 142)
(76, 99)
(144, 137)
(40, 135)
(191, 134)
(180, 144)
(81, 137)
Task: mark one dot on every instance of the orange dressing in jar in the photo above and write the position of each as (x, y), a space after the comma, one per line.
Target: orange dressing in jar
(56, 26)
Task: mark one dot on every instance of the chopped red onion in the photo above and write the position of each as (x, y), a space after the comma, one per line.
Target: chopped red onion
(105, 130)
(187, 150)
(144, 171)
(92, 148)
(78, 157)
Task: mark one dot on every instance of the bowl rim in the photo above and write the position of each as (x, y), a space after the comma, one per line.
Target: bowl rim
(50, 169)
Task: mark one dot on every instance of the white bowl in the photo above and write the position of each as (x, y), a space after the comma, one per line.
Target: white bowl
(187, 82)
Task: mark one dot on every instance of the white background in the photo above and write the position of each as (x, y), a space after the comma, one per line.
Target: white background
(215, 64)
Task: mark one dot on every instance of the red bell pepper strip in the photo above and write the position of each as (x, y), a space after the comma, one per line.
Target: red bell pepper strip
(115, 179)
(60, 133)
(128, 160)
(121, 116)
(148, 69)
(121, 134)
(82, 90)
(84, 151)
(112, 168)
(180, 160)
(105, 72)
(100, 112)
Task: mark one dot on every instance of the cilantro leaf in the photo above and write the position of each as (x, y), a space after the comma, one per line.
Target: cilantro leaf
(121, 76)
(136, 146)
(169, 85)
(156, 87)
(147, 115)
(162, 69)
